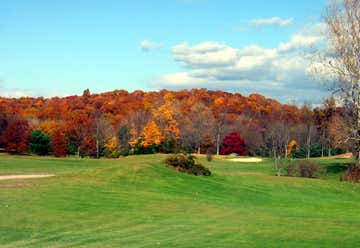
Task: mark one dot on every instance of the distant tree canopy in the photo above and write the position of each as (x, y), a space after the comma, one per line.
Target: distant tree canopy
(119, 122)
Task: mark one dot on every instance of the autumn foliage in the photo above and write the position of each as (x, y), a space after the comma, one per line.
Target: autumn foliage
(16, 136)
(198, 120)
(58, 144)
(233, 143)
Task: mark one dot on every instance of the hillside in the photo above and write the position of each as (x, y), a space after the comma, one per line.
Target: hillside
(192, 120)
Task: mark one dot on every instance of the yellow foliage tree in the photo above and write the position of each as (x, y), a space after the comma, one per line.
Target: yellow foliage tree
(151, 135)
(165, 117)
(111, 145)
(49, 127)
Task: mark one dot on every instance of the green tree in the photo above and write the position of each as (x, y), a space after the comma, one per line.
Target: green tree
(39, 143)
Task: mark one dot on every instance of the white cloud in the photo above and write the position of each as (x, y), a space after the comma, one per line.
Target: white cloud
(147, 45)
(272, 21)
(308, 37)
(206, 54)
(281, 72)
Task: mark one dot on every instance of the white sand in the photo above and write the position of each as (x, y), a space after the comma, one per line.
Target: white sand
(246, 160)
(14, 177)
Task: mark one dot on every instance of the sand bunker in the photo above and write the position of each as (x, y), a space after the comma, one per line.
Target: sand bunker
(14, 177)
(246, 160)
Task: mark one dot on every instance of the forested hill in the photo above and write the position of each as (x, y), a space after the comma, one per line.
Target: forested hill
(117, 104)
(192, 119)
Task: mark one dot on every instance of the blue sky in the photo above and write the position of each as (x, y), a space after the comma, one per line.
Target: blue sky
(62, 47)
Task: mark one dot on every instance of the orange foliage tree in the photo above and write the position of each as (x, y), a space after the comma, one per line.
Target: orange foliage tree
(290, 146)
(151, 135)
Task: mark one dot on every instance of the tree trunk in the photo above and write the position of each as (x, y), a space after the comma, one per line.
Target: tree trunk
(97, 139)
(97, 148)
(218, 143)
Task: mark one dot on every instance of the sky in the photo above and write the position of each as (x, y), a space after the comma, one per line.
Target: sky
(58, 48)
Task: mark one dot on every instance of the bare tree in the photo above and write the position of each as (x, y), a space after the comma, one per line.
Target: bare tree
(342, 19)
(198, 126)
(307, 116)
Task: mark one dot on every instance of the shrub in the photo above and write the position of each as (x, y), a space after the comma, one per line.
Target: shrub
(187, 163)
(309, 169)
(293, 170)
(304, 169)
(351, 175)
(199, 170)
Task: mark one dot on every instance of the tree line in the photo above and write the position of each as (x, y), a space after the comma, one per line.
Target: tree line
(121, 123)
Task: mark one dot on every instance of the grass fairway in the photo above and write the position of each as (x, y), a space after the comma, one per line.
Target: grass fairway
(138, 202)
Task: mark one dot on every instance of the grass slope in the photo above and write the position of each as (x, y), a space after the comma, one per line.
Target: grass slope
(138, 202)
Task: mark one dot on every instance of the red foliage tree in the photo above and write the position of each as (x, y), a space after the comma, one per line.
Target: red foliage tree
(17, 136)
(58, 144)
(88, 147)
(233, 143)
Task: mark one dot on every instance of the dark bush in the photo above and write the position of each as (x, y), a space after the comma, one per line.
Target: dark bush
(198, 170)
(187, 163)
(293, 170)
(351, 175)
(304, 168)
(309, 169)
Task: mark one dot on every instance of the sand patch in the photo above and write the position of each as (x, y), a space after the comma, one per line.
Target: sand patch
(19, 177)
(246, 160)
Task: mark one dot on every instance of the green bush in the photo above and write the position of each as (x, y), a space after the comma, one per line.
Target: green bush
(115, 154)
(187, 163)
(304, 168)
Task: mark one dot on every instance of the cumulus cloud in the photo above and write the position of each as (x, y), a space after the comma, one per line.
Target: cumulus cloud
(147, 45)
(272, 21)
(308, 37)
(281, 72)
(206, 54)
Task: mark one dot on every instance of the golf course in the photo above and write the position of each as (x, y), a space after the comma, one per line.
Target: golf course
(138, 201)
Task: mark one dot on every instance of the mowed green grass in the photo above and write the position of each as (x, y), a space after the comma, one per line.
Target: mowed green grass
(138, 202)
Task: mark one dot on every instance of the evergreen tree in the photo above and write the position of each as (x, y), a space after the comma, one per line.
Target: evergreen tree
(39, 143)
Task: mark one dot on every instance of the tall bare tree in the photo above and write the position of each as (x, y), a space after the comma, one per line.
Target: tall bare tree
(342, 19)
